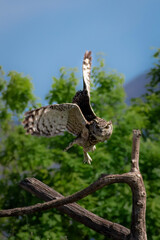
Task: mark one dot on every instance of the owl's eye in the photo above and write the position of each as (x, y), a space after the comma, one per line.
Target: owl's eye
(107, 126)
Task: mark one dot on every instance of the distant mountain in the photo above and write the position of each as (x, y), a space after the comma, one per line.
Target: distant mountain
(136, 87)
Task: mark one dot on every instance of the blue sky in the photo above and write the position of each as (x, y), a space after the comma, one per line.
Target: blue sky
(38, 37)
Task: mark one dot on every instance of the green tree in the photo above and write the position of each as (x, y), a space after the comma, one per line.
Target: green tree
(149, 108)
(28, 156)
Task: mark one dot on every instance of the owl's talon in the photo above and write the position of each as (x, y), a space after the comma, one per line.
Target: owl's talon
(75, 141)
(69, 146)
(87, 158)
(66, 149)
(94, 148)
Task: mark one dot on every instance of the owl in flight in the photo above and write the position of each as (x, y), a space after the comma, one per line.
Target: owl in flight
(77, 118)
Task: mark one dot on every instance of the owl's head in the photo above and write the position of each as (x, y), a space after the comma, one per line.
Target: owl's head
(101, 129)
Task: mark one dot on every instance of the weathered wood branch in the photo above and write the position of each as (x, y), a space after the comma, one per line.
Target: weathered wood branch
(75, 211)
(135, 150)
(132, 178)
(138, 223)
(98, 184)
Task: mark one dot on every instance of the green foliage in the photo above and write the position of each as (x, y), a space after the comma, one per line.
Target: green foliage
(15, 96)
(28, 156)
(63, 88)
(109, 91)
(18, 88)
(149, 109)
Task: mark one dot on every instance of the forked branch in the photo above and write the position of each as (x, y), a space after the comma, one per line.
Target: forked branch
(75, 211)
(112, 230)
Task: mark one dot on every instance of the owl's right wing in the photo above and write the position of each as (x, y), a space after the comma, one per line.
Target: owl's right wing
(86, 68)
(54, 119)
(82, 98)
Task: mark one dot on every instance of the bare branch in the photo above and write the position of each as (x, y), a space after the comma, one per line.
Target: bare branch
(133, 179)
(138, 224)
(76, 212)
(135, 150)
(101, 182)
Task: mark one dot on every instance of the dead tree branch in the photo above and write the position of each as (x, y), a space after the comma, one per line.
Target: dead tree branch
(138, 223)
(100, 183)
(132, 178)
(75, 211)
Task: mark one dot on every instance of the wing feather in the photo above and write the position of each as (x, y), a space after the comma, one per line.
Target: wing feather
(82, 98)
(55, 119)
(87, 62)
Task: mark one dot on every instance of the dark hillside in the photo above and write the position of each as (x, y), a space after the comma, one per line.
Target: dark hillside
(136, 87)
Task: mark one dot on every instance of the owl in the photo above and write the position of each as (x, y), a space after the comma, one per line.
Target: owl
(77, 118)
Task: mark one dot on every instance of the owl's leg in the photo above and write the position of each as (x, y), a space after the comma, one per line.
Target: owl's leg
(87, 158)
(75, 141)
(69, 146)
(93, 148)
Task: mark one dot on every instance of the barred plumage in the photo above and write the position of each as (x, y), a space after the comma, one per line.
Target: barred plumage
(78, 118)
(55, 119)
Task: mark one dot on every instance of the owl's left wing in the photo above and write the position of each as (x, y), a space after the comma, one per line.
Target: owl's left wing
(54, 119)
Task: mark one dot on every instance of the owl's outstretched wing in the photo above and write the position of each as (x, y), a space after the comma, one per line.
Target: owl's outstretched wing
(82, 98)
(53, 120)
(86, 68)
